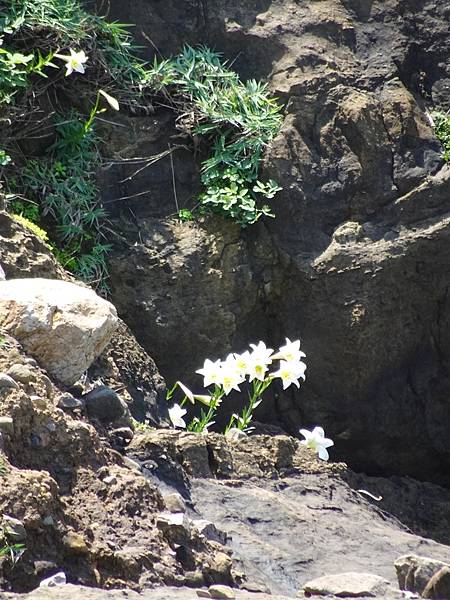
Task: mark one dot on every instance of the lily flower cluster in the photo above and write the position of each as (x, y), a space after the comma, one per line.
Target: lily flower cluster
(255, 367)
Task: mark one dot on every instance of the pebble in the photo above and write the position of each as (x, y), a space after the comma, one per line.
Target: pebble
(104, 404)
(7, 382)
(54, 580)
(68, 402)
(21, 373)
(221, 591)
(203, 594)
(110, 480)
(74, 542)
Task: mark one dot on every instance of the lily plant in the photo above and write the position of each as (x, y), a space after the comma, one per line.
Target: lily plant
(256, 367)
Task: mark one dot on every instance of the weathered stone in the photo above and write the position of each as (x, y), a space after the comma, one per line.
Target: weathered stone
(415, 572)
(7, 382)
(439, 585)
(347, 585)
(221, 591)
(54, 580)
(175, 526)
(21, 373)
(63, 325)
(175, 503)
(210, 531)
(203, 593)
(104, 404)
(74, 543)
(68, 402)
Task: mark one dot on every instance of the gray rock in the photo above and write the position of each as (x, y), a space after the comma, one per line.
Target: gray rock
(7, 382)
(210, 531)
(175, 526)
(21, 373)
(63, 325)
(203, 593)
(439, 585)
(175, 504)
(348, 585)
(221, 591)
(414, 572)
(104, 404)
(69, 402)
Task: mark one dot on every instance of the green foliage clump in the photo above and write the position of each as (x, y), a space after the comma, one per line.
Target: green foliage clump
(237, 118)
(61, 185)
(442, 130)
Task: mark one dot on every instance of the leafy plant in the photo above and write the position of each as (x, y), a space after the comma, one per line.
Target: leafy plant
(442, 130)
(238, 119)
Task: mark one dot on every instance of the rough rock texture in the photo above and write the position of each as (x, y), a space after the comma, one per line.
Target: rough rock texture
(82, 507)
(287, 516)
(125, 366)
(23, 254)
(63, 325)
(353, 585)
(166, 593)
(355, 262)
(421, 574)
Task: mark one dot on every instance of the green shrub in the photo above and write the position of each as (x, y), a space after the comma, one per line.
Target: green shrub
(238, 119)
(442, 130)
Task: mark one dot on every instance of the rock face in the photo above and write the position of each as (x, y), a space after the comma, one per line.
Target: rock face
(355, 261)
(77, 504)
(23, 254)
(63, 325)
(287, 516)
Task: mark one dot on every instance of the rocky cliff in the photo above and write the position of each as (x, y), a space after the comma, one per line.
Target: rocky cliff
(355, 262)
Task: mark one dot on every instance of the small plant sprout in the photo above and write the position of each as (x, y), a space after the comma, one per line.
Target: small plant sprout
(254, 369)
(317, 441)
(74, 61)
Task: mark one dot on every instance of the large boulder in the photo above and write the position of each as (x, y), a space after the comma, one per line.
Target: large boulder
(63, 325)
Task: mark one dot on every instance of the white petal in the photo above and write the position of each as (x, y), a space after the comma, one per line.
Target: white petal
(323, 454)
(319, 432)
(326, 442)
(306, 434)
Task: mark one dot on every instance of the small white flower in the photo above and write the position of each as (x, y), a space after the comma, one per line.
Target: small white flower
(176, 414)
(212, 372)
(290, 372)
(243, 362)
(260, 359)
(290, 351)
(74, 61)
(230, 379)
(317, 441)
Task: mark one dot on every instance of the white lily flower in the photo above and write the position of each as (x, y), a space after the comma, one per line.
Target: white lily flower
(290, 372)
(74, 61)
(230, 378)
(290, 351)
(260, 359)
(243, 362)
(176, 414)
(317, 441)
(212, 372)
